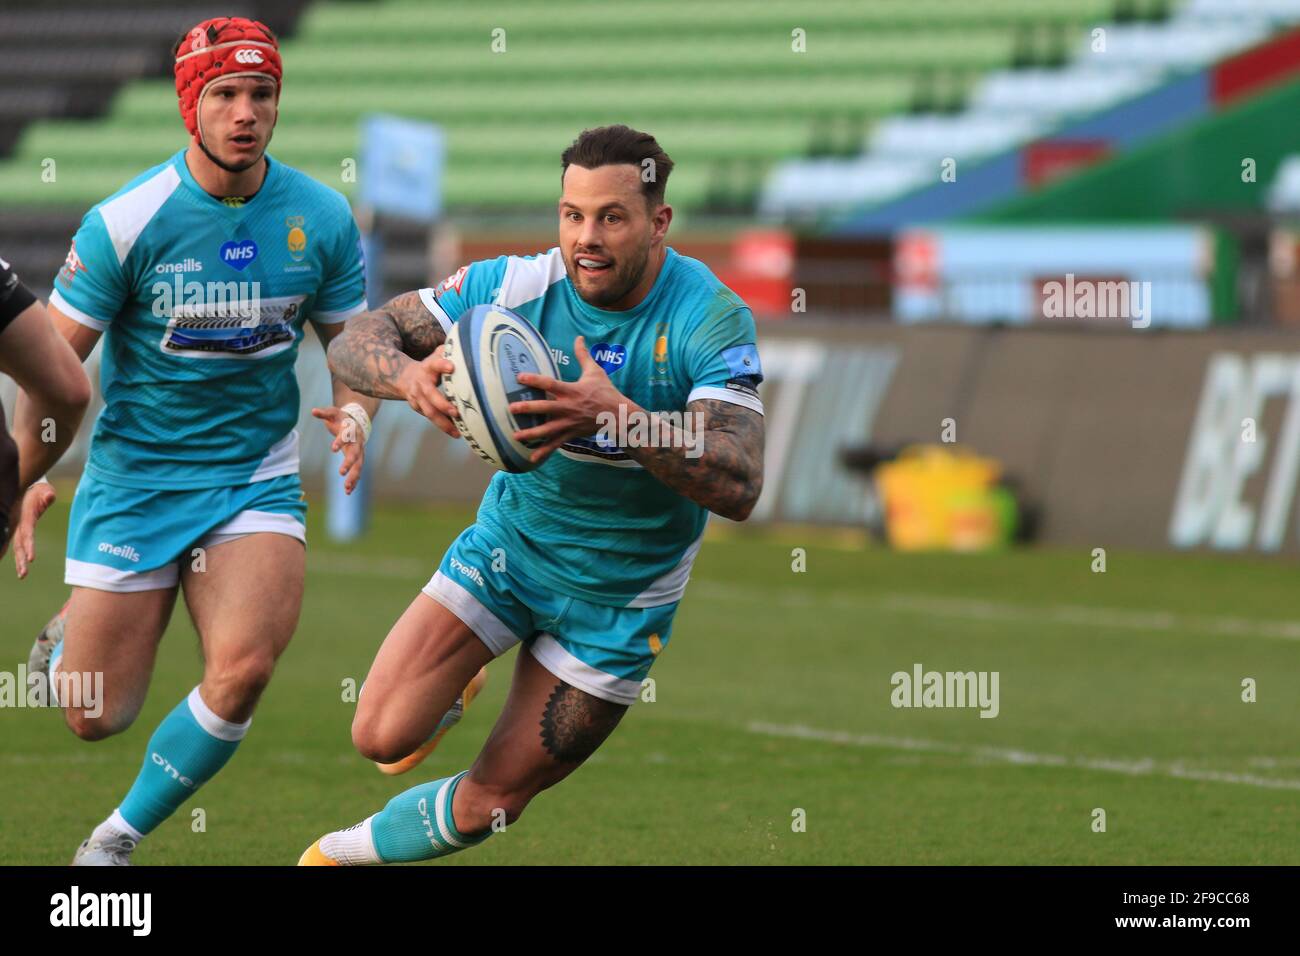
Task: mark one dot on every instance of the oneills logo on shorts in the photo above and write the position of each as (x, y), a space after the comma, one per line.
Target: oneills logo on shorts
(119, 551)
(474, 574)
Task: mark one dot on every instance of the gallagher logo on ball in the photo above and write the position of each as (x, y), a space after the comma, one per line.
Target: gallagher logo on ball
(239, 253)
(609, 357)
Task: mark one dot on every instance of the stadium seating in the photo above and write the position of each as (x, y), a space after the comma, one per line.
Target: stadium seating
(1011, 107)
(734, 91)
(727, 102)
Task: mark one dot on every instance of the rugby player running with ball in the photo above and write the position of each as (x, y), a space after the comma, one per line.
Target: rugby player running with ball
(584, 559)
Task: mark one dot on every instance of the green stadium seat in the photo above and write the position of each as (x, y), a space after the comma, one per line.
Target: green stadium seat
(720, 85)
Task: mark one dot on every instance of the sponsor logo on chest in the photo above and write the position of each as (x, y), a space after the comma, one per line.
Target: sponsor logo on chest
(239, 253)
(609, 356)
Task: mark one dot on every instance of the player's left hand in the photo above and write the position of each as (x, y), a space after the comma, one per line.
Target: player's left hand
(33, 504)
(574, 406)
(347, 439)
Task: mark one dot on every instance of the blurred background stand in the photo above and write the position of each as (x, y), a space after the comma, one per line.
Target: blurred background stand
(399, 182)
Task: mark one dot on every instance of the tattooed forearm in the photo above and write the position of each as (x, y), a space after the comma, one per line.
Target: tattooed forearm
(376, 346)
(575, 723)
(728, 476)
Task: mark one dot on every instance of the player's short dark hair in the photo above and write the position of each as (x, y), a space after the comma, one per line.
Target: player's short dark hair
(621, 145)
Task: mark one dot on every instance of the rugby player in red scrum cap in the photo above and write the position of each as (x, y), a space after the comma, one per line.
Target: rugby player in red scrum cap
(196, 450)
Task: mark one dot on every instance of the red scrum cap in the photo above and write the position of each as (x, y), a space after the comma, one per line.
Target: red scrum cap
(219, 48)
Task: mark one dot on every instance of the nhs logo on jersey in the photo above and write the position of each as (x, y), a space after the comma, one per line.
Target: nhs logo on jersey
(609, 357)
(239, 253)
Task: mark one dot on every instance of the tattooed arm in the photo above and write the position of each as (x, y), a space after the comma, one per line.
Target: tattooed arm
(718, 465)
(393, 352)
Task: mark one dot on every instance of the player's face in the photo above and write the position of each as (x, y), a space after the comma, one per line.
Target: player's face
(237, 119)
(607, 232)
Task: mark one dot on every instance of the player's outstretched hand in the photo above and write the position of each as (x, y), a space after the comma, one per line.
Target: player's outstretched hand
(38, 498)
(347, 439)
(574, 409)
(418, 383)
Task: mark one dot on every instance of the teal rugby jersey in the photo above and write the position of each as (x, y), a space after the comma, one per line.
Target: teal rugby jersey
(591, 522)
(203, 306)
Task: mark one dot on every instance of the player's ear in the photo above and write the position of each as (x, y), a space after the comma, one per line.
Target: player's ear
(662, 218)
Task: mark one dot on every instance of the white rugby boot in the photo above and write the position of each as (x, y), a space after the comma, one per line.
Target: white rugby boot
(38, 661)
(105, 847)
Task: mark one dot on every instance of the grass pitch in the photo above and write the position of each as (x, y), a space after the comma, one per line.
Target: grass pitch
(1119, 690)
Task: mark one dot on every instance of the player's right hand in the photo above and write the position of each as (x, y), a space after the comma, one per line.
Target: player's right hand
(418, 383)
(34, 504)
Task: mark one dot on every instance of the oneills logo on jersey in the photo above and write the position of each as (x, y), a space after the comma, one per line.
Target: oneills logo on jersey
(189, 264)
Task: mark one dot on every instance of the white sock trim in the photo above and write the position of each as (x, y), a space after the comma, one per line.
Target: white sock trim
(216, 726)
(354, 846)
(118, 823)
(442, 811)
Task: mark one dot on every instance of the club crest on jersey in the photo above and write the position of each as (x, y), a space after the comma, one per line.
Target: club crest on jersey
(239, 253)
(297, 243)
(608, 356)
(660, 376)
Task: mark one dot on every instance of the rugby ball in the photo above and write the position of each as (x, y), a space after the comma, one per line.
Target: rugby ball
(489, 347)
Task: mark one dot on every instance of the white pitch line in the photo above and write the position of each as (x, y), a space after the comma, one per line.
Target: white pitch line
(934, 605)
(1135, 768)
